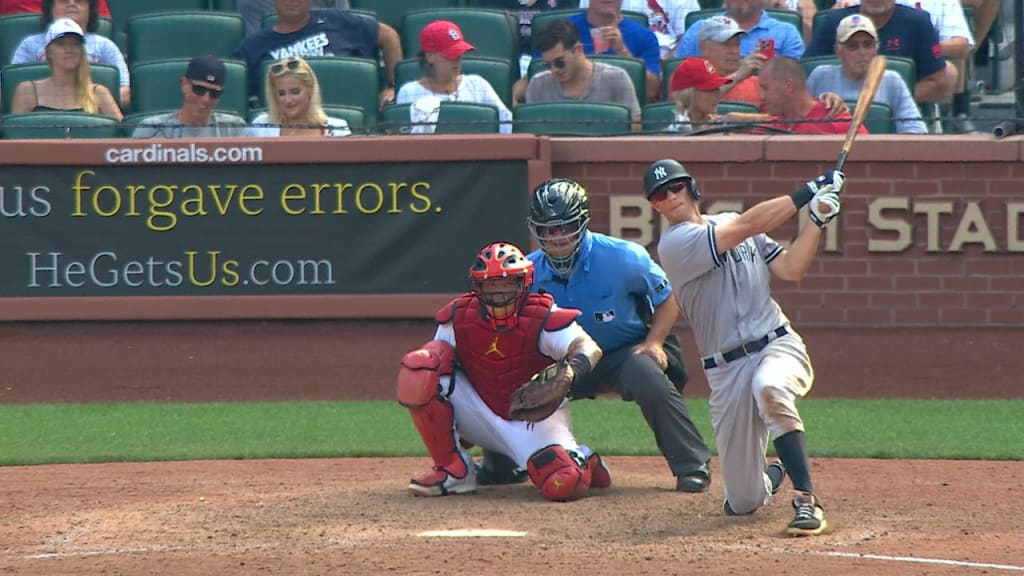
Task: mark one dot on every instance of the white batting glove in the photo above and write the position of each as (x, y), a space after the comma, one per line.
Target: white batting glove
(825, 198)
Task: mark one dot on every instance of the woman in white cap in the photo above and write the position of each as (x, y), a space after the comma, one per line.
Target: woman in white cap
(98, 49)
(441, 49)
(70, 87)
(294, 105)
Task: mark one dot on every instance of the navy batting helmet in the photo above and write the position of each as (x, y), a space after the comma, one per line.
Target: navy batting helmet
(664, 171)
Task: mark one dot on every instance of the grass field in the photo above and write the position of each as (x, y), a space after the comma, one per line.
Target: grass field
(74, 433)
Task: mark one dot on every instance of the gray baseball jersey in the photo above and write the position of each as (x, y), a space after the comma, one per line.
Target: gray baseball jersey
(726, 297)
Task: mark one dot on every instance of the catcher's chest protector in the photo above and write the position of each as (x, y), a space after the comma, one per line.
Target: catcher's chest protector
(499, 361)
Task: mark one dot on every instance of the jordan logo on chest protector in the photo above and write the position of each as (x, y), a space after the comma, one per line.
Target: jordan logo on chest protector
(493, 349)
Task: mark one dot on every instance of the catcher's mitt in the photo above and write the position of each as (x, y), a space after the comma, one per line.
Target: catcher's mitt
(543, 394)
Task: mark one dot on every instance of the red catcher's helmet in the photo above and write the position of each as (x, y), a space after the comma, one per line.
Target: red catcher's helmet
(501, 277)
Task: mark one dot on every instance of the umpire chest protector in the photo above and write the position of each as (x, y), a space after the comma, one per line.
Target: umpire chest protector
(497, 363)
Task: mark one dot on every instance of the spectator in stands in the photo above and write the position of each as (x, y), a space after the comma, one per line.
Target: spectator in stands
(254, 11)
(856, 45)
(786, 97)
(902, 31)
(441, 48)
(524, 11)
(301, 31)
(573, 76)
(36, 6)
(603, 31)
(69, 86)
(956, 41)
(806, 8)
(98, 49)
(758, 25)
(666, 18)
(202, 87)
(697, 88)
(294, 105)
(719, 40)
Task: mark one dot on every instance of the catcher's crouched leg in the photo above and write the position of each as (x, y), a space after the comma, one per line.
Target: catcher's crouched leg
(558, 475)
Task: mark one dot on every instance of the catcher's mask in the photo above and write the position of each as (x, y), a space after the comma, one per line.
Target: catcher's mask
(559, 219)
(666, 174)
(501, 277)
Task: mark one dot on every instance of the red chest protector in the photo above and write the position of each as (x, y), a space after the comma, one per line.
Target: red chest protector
(498, 362)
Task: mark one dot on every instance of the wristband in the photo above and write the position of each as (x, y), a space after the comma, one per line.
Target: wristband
(801, 197)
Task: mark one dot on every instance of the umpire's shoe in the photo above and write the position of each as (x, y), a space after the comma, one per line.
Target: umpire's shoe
(698, 480)
(810, 516)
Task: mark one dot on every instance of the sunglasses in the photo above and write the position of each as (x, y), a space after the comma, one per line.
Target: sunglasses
(281, 67)
(556, 63)
(200, 90)
(662, 192)
(865, 45)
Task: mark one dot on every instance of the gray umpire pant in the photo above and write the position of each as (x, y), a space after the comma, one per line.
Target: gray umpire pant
(637, 378)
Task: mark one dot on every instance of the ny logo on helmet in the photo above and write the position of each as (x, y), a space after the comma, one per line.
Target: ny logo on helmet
(660, 172)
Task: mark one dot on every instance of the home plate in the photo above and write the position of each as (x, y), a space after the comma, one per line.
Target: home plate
(472, 533)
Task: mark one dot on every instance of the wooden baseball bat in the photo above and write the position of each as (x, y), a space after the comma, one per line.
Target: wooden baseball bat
(864, 99)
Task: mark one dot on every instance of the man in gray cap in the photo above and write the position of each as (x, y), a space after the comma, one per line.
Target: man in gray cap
(719, 42)
(202, 87)
(752, 19)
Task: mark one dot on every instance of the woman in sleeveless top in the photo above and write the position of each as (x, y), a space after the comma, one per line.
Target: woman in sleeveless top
(294, 104)
(70, 87)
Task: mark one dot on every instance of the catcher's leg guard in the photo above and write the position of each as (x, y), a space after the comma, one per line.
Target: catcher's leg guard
(419, 390)
(558, 475)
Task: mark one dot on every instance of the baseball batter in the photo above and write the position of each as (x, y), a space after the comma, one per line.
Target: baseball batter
(756, 364)
(488, 343)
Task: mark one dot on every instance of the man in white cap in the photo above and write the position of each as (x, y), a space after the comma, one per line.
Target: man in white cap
(856, 44)
(202, 87)
(758, 25)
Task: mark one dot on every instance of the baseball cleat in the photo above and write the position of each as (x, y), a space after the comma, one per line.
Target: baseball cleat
(810, 516)
(438, 482)
(698, 480)
(600, 477)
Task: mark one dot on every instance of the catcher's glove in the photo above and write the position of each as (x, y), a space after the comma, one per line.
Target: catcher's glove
(543, 394)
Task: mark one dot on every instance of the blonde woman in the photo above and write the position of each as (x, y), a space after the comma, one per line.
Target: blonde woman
(70, 87)
(294, 104)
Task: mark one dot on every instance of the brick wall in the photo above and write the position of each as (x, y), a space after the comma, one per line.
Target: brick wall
(931, 232)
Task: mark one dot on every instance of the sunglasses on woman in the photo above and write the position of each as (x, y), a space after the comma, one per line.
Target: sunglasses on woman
(662, 192)
(290, 65)
(200, 90)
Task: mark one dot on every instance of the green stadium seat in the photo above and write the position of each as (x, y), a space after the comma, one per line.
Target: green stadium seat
(155, 86)
(668, 67)
(58, 125)
(658, 116)
(494, 33)
(879, 118)
(123, 10)
(391, 12)
(13, 29)
(452, 118)
(105, 27)
(166, 35)
(343, 81)
(354, 115)
(394, 119)
(572, 118)
(11, 76)
(726, 106)
(497, 72)
(224, 5)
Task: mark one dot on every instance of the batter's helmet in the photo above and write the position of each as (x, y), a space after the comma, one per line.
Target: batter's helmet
(664, 171)
(497, 262)
(559, 218)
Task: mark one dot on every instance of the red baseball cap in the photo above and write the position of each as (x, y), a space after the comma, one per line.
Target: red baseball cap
(445, 38)
(696, 73)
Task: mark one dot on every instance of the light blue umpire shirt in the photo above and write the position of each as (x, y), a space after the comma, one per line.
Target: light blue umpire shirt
(604, 284)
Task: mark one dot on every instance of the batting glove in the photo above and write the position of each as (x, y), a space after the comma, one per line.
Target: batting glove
(827, 198)
(831, 181)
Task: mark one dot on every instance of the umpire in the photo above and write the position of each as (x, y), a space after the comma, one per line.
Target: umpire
(627, 308)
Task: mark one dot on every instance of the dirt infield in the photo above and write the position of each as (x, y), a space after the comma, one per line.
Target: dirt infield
(352, 516)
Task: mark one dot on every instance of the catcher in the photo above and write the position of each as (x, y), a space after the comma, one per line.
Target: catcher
(496, 375)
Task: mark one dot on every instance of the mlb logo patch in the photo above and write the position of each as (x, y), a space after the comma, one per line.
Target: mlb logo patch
(605, 316)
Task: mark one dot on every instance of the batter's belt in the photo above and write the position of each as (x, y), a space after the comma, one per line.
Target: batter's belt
(752, 347)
